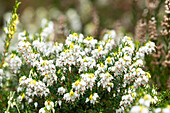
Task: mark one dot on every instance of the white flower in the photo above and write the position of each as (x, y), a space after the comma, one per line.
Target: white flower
(61, 90)
(35, 104)
(135, 109)
(154, 91)
(42, 110)
(165, 110)
(139, 109)
(92, 98)
(21, 36)
(157, 110)
(49, 105)
(59, 103)
(63, 78)
(30, 100)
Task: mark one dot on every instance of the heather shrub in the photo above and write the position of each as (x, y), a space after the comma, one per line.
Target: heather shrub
(82, 74)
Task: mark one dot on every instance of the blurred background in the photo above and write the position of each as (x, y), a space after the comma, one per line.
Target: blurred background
(86, 16)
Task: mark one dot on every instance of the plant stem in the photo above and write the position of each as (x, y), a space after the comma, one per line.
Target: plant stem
(17, 109)
(6, 50)
(69, 77)
(134, 10)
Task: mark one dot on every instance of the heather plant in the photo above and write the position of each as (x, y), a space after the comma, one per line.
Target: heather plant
(144, 105)
(158, 62)
(149, 101)
(82, 74)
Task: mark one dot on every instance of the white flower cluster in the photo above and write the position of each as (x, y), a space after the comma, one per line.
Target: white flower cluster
(71, 96)
(105, 81)
(143, 106)
(82, 65)
(147, 49)
(49, 106)
(87, 81)
(126, 100)
(87, 62)
(80, 48)
(92, 98)
(123, 64)
(61, 90)
(24, 47)
(128, 64)
(45, 48)
(14, 63)
(46, 68)
(32, 87)
(31, 53)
